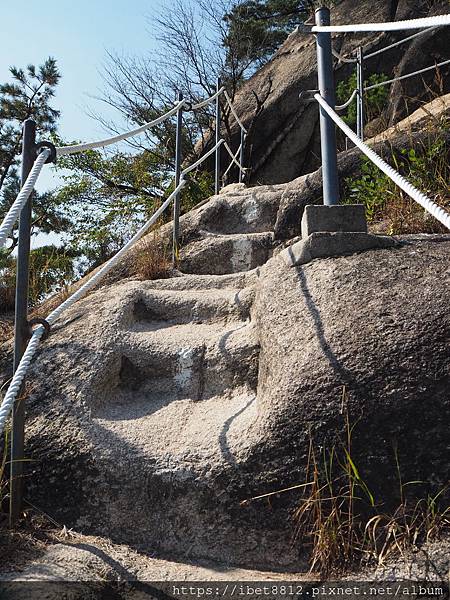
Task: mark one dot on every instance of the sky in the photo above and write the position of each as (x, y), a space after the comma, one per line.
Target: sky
(78, 34)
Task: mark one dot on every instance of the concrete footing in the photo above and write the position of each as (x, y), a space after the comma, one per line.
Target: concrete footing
(345, 217)
(326, 244)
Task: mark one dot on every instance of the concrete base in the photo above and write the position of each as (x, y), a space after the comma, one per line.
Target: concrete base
(345, 217)
(328, 244)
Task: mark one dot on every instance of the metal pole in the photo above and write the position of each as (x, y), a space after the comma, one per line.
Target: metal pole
(176, 201)
(327, 128)
(241, 155)
(360, 117)
(21, 331)
(217, 172)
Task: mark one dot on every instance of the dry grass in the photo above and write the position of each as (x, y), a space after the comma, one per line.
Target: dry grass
(342, 525)
(43, 309)
(152, 259)
(6, 328)
(426, 165)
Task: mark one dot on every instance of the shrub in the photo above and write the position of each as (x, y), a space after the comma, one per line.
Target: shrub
(374, 100)
(387, 206)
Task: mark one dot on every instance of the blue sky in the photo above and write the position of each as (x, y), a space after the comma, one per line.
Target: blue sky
(78, 34)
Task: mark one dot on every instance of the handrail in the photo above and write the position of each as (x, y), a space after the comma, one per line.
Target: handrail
(65, 150)
(230, 104)
(434, 209)
(387, 82)
(208, 100)
(233, 159)
(425, 22)
(33, 344)
(202, 158)
(376, 85)
(235, 155)
(343, 59)
(395, 44)
(346, 104)
(14, 211)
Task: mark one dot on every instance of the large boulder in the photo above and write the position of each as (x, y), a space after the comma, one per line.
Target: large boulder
(283, 141)
(157, 408)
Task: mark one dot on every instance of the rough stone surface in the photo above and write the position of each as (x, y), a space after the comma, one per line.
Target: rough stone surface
(326, 244)
(85, 567)
(345, 217)
(232, 253)
(283, 142)
(159, 406)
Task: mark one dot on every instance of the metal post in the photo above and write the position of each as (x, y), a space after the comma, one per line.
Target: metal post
(360, 96)
(241, 155)
(176, 201)
(327, 128)
(21, 331)
(217, 172)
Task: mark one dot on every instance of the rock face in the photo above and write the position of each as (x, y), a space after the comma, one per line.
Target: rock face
(283, 141)
(159, 406)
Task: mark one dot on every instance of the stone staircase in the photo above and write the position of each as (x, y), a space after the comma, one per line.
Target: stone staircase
(170, 399)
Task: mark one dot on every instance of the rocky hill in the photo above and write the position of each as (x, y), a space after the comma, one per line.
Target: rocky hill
(284, 140)
(181, 427)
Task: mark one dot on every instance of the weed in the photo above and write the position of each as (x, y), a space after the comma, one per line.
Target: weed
(374, 100)
(339, 519)
(426, 167)
(152, 260)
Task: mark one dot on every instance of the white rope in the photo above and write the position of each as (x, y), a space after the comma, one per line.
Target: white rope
(233, 159)
(392, 26)
(346, 104)
(438, 212)
(236, 154)
(208, 100)
(376, 85)
(230, 104)
(203, 158)
(65, 150)
(19, 375)
(14, 212)
(395, 44)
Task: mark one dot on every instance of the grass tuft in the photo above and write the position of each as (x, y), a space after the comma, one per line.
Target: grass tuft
(152, 260)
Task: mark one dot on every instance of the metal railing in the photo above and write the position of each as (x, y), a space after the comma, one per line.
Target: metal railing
(27, 339)
(34, 156)
(326, 100)
(361, 89)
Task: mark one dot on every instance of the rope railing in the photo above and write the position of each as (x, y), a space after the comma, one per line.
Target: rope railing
(233, 158)
(16, 208)
(346, 104)
(388, 82)
(361, 57)
(400, 42)
(236, 154)
(434, 209)
(209, 100)
(230, 104)
(203, 157)
(14, 212)
(65, 150)
(33, 344)
(426, 22)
